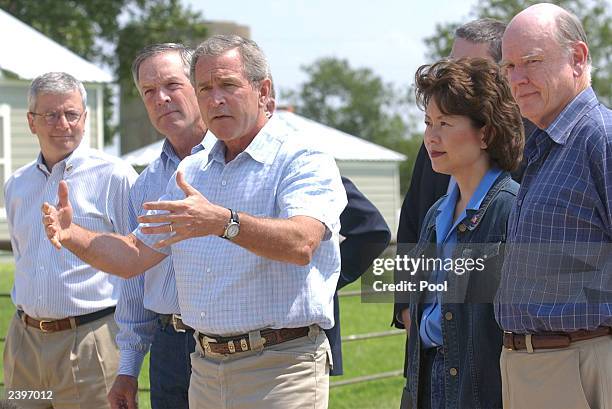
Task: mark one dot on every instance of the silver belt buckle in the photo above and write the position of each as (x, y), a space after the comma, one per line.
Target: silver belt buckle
(206, 341)
(174, 321)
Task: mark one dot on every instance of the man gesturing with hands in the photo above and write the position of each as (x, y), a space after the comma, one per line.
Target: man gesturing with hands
(261, 211)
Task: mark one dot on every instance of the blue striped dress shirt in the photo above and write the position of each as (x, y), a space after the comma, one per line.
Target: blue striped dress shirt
(54, 284)
(224, 289)
(145, 296)
(557, 273)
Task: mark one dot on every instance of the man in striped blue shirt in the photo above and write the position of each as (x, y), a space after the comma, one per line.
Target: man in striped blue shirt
(148, 311)
(61, 342)
(253, 231)
(555, 295)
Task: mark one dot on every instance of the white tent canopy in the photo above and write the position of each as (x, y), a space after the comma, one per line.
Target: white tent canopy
(29, 53)
(340, 145)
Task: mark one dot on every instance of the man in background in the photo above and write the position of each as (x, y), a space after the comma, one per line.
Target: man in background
(148, 312)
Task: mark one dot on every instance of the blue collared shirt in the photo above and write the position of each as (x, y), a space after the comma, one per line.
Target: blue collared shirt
(430, 329)
(51, 283)
(565, 199)
(145, 296)
(225, 289)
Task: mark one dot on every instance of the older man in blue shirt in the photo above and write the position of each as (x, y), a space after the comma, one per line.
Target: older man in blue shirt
(61, 342)
(257, 275)
(555, 296)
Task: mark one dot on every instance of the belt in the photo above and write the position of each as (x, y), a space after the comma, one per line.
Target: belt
(175, 321)
(551, 340)
(240, 343)
(64, 323)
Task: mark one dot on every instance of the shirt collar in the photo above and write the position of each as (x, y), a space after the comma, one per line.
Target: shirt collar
(263, 147)
(559, 130)
(68, 164)
(168, 153)
(483, 188)
(448, 204)
(477, 197)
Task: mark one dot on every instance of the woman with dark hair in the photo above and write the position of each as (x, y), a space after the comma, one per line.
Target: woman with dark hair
(475, 134)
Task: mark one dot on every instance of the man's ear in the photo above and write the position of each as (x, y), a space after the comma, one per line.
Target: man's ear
(265, 88)
(580, 58)
(31, 123)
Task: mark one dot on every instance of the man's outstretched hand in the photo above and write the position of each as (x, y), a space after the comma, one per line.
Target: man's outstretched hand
(193, 216)
(57, 220)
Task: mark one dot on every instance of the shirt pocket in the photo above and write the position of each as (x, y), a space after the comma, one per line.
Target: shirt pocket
(485, 276)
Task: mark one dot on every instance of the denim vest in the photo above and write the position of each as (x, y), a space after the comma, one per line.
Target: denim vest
(472, 338)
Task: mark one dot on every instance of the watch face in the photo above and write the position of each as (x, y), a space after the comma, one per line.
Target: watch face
(232, 230)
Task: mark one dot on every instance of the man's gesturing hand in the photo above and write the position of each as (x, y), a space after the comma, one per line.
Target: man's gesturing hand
(57, 220)
(193, 216)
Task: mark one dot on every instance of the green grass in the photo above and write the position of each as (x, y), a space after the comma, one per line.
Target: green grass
(359, 357)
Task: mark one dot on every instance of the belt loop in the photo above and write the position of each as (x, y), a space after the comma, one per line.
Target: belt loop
(313, 332)
(22, 316)
(256, 341)
(73, 323)
(528, 343)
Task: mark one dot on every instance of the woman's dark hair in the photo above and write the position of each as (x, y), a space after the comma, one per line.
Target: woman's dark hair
(475, 88)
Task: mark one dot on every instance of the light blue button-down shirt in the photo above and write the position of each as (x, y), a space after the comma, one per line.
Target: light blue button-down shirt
(54, 284)
(145, 296)
(430, 329)
(224, 289)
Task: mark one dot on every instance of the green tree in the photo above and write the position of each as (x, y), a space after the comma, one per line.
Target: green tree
(596, 17)
(81, 26)
(357, 101)
(157, 21)
(91, 29)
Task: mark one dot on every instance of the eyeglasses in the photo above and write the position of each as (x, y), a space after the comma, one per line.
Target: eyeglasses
(51, 118)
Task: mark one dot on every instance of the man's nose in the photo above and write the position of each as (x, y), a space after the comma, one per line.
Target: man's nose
(162, 97)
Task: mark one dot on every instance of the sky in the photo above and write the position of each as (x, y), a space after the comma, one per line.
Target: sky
(387, 38)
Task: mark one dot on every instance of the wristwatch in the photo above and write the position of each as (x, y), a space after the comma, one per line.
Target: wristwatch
(232, 228)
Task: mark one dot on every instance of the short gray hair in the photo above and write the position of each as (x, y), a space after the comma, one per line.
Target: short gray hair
(254, 63)
(569, 31)
(484, 30)
(55, 83)
(186, 53)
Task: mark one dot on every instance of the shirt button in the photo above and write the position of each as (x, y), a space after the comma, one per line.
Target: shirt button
(520, 202)
(453, 371)
(448, 316)
(202, 315)
(208, 270)
(223, 182)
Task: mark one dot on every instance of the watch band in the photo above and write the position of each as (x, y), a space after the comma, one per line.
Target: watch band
(234, 216)
(232, 228)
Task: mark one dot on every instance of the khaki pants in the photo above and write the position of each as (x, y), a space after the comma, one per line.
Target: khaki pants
(293, 374)
(75, 367)
(576, 377)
